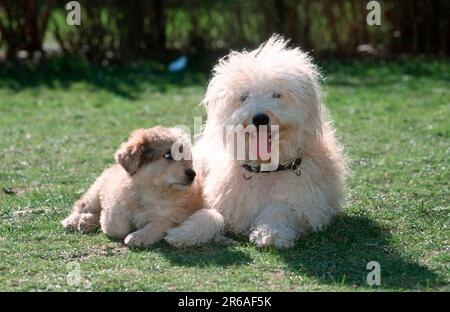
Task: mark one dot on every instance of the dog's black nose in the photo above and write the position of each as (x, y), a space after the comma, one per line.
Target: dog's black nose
(260, 119)
(190, 173)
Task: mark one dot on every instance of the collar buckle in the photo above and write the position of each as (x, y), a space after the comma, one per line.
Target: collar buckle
(246, 173)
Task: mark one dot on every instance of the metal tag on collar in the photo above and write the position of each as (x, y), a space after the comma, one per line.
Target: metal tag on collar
(296, 166)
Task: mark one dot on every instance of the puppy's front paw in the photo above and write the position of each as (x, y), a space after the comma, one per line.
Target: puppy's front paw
(139, 239)
(134, 240)
(71, 222)
(265, 237)
(88, 223)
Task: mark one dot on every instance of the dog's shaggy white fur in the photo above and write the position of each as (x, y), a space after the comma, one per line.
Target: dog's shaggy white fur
(272, 208)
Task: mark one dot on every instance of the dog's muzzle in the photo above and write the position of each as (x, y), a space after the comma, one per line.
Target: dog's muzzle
(260, 119)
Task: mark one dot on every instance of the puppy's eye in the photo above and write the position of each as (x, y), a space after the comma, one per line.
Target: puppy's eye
(168, 156)
(244, 97)
(276, 95)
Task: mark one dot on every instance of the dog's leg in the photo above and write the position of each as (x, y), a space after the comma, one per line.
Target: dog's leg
(114, 224)
(85, 215)
(201, 227)
(89, 222)
(72, 221)
(277, 225)
(149, 234)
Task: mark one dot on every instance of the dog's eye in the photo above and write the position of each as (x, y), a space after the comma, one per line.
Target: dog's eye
(244, 97)
(276, 95)
(168, 156)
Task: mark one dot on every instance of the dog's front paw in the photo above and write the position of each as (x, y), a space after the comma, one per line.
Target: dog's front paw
(177, 238)
(71, 222)
(134, 240)
(88, 223)
(265, 237)
(201, 227)
(140, 239)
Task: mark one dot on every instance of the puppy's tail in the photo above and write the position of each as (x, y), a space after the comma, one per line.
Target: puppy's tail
(201, 227)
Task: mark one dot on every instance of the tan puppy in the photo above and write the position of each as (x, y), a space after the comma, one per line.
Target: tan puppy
(145, 194)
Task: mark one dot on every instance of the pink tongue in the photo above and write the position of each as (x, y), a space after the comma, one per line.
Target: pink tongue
(265, 148)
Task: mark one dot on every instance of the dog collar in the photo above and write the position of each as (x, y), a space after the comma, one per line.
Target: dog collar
(248, 171)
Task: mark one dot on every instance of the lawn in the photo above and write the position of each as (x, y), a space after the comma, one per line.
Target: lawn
(60, 124)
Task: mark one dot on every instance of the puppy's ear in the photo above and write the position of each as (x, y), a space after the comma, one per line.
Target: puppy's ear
(129, 153)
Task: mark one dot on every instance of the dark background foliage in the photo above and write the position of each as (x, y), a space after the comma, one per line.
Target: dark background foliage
(122, 31)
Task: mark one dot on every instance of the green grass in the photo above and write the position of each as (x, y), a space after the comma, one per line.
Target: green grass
(60, 124)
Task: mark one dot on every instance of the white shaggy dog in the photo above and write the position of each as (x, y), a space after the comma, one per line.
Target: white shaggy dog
(272, 85)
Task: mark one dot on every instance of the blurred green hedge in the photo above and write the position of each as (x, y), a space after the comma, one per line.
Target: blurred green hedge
(115, 30)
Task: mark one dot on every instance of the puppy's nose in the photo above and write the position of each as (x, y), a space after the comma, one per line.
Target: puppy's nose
(260, 119)
(190, 174)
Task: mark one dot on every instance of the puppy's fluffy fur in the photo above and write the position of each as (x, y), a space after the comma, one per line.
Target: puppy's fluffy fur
(272, 208)
(144, 194)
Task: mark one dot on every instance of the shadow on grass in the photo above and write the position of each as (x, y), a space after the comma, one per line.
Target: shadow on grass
(338, 256)
(201, 256)
(123, 80)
